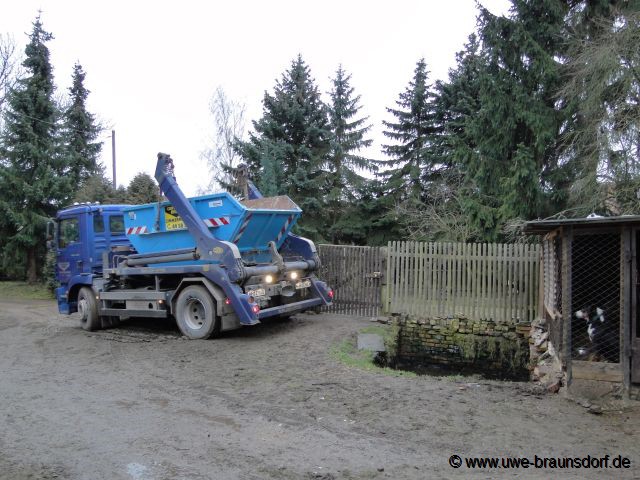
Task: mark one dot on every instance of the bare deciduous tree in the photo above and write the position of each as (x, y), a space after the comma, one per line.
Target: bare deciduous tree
(603, 77)
(228, 126)
(441, 217)
(9, 67)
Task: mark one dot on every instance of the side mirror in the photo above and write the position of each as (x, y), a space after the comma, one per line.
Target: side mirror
(50, 228)
(51, 231)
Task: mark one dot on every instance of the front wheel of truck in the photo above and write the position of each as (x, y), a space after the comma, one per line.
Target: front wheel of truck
(196, 313)
(88, 309)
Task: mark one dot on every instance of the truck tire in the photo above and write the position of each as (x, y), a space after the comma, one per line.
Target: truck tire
(196, 313)
(88, 309)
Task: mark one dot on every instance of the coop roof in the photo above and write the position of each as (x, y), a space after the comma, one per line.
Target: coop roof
(545, 226)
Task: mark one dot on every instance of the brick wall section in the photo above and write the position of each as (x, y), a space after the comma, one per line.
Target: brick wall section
(483, 345)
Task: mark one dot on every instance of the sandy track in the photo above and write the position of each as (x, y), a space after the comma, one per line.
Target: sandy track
(139, 402)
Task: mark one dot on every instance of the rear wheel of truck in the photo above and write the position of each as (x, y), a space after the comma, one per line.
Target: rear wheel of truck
(196, 313)
(88, 309)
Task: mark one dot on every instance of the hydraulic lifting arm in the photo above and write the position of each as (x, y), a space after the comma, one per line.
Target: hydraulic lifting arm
(207, 246)
(230, 270)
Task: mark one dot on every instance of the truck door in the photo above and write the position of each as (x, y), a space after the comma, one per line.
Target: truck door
(100, 241)
(70, 248)
(107, 231)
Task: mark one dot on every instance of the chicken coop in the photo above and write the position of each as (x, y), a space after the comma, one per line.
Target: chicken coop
(589, 299)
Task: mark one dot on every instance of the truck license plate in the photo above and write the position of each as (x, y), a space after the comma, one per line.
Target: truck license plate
(258, 292)
(303, 284)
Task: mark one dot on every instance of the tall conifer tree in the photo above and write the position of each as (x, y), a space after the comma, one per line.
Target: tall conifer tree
(80, 132)
(290, 144)
(502, 120)
(348, 137)
(413, 132)
(519, 104)
(345, 163)
(32, 172)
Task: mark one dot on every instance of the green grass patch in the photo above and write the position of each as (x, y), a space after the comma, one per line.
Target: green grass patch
(347, 353)
(377, 329)
(24, 291)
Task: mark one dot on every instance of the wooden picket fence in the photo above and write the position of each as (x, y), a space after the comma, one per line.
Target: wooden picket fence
(478, 280)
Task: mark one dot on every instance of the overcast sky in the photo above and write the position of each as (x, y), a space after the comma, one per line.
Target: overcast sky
(152, 66)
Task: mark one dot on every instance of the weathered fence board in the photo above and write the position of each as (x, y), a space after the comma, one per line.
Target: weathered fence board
(492, 281)
(481, 281)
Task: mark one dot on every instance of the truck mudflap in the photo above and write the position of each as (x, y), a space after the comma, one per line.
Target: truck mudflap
(63, 304)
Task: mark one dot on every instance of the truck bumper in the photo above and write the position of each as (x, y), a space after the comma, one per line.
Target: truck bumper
(290, 308)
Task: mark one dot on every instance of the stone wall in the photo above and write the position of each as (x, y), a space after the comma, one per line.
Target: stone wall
(482, 345)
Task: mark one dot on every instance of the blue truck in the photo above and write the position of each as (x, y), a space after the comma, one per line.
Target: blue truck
(213, 262)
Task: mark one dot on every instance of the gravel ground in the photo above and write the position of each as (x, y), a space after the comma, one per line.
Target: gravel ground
(267, 402)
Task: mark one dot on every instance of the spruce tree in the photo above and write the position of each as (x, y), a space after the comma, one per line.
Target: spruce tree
(457, 101)
(33, 184)
(80, 132)
(501, 119)
(413, 133)
(345, 164)
(289, 144)
(470, 187)
(517, 126)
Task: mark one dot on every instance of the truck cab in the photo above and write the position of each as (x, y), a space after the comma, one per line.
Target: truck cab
(82, 234)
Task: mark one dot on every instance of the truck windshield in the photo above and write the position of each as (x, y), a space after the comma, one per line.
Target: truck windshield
(116, 224)
(69, 232)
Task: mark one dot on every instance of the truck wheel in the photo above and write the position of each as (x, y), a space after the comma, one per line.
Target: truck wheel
(196, 313)
(88, 309)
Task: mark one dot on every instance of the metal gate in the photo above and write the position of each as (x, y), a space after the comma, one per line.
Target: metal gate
(355, 275)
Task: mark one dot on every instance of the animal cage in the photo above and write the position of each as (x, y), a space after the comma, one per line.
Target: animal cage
(589, 297)
(595, 297)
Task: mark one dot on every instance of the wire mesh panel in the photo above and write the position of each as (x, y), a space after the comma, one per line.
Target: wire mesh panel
(595, 302)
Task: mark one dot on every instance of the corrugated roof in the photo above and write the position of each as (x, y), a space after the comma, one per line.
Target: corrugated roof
(544, 226)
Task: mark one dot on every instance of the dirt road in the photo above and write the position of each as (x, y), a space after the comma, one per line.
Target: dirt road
(267, 402)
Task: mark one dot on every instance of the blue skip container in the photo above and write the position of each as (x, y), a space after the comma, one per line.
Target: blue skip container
(250, 224)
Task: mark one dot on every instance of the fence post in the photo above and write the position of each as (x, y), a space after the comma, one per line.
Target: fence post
(384, 290)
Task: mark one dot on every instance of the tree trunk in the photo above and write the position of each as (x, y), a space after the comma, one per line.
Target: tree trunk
(32, 265)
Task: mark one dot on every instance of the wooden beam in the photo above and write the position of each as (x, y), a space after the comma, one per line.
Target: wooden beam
(600, 371)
